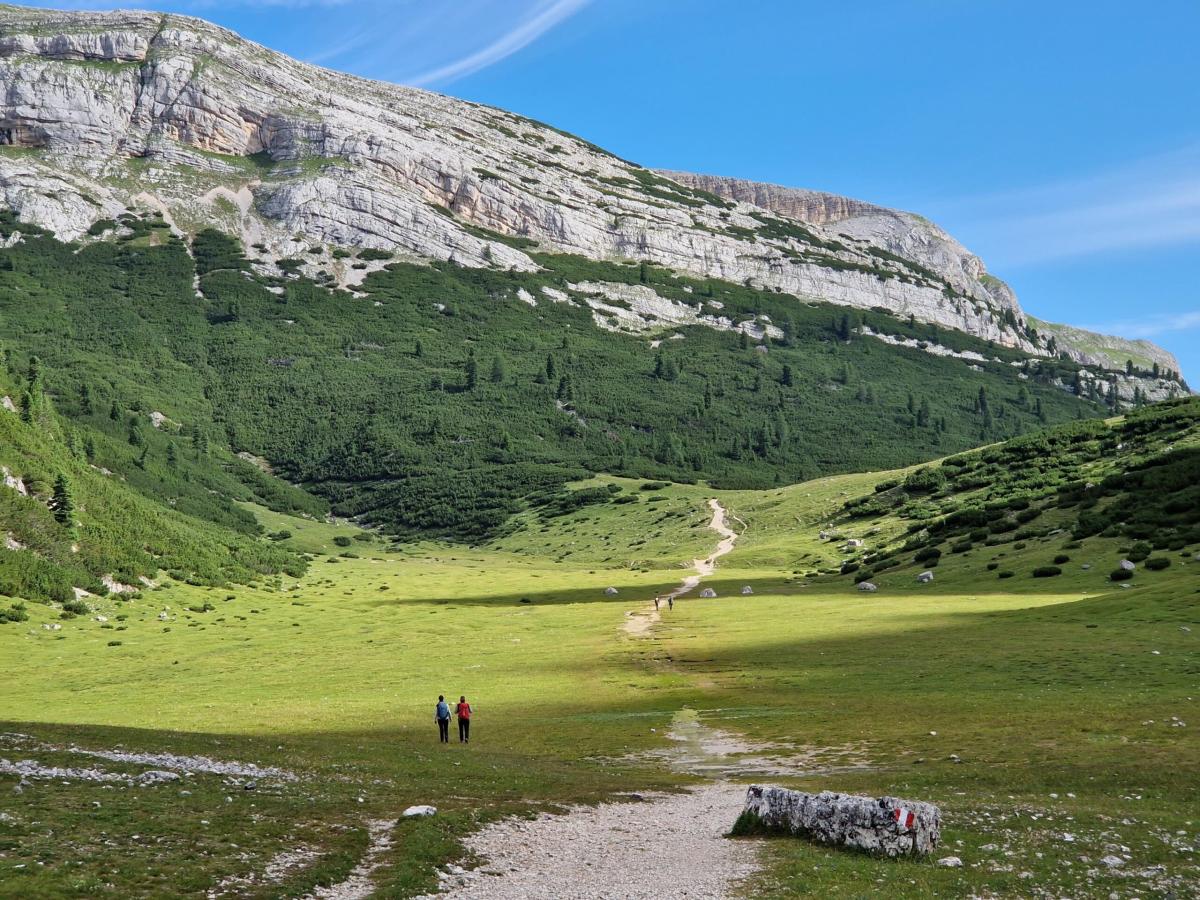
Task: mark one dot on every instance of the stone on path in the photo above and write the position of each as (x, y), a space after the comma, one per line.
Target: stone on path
(417, 811)
(887, 826)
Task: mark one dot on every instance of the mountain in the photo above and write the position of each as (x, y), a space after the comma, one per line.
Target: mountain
(109, 112)
(915, 238)
(228, 278)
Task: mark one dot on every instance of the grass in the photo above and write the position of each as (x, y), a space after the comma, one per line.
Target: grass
(1049, 692)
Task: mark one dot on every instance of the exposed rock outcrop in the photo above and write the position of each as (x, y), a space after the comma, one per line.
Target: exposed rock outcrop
(108, 112)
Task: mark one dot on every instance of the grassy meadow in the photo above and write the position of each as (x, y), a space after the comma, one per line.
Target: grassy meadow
(1037, 713)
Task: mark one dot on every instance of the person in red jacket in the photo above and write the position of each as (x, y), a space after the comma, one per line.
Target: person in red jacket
(463, 711)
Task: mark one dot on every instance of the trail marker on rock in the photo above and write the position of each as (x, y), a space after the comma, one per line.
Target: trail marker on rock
(884, 826)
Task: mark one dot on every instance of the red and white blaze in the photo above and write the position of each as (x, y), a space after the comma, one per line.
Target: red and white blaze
(904, 817)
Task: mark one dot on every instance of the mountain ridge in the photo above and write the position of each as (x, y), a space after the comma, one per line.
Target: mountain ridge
(108, 112)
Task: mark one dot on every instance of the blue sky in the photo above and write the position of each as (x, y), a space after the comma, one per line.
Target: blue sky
(1059, 141)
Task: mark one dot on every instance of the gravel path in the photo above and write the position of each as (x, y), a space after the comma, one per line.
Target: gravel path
(670, 846)
(639, 622)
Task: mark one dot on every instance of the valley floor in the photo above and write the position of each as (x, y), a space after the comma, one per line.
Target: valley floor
(1052, 721)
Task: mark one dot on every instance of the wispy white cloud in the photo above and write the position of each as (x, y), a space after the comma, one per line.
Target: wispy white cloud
(541, 19)
(1153, 202)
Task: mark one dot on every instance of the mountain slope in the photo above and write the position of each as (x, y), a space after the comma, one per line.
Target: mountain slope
(106, 112)
(915, 237)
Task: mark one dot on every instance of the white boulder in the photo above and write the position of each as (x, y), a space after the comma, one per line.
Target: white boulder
(884, 826)
(867, 586)
(925, 577)
(415, 812)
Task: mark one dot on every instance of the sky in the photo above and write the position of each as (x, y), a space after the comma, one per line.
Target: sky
(1058, 141)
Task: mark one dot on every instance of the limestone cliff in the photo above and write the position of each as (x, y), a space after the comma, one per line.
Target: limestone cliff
(102, 113)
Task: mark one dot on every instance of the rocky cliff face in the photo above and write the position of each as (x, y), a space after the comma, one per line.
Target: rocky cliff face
(102, 113)
(915, 237)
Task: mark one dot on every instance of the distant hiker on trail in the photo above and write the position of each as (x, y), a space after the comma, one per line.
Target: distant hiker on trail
(656, 604)
(463, 711)
(670, 602)
(441, 715)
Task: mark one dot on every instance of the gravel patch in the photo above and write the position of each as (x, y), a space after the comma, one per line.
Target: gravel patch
(668, 846)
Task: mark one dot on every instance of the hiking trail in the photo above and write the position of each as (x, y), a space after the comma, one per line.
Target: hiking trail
(639, 622)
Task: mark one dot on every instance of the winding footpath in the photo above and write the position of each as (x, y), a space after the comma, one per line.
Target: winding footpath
(639, 622)
(659, 846)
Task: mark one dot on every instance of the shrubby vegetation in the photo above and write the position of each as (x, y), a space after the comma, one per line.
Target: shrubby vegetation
(1137, 479)
(440, 404)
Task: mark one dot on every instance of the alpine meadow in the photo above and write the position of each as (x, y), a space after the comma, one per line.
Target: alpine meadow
(772, 548)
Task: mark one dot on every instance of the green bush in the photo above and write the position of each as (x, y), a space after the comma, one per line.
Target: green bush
(1120, 574)
(1046, 571)
(1006, 574)
(1061, 558)
(1156, 563)
(343, 540)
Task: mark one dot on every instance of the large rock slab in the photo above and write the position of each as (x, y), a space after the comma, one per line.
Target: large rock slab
(884, 826)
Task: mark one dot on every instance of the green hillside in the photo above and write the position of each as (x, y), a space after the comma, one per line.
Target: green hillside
(437, 402)
(117, 498)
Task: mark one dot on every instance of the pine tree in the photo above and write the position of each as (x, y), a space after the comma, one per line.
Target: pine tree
(923, 414)
(912, 405)
(85, 399)
(1040, 411)
(660, 365)
(61, 504)
(27, 408)
(644, 273)
(566, 391)
(172, 456)
(1077, 384)
(471, 370)
(551, 369)
(708, 395)
(114, 411)
(671, 370)
(418, 350)
(786, 378)
(743, 341)
(498, 374)
(1129, 367)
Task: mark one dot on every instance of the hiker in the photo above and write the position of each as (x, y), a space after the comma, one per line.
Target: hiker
(463, 711)
(670, 602)
(441, 715)
(656, 604)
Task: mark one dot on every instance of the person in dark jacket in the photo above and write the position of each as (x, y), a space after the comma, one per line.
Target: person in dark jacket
(441, 715)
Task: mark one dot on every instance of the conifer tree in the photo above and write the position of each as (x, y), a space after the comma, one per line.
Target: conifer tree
(61, 503)
(498, 374)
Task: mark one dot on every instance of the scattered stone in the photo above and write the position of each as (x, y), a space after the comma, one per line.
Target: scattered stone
(1126, 566)
(867, 586)
(708, 594)
(950, 862)
(925, 577)
(1086, 566)
(611, 592)
(747, 591)
(887, 826)
(420, 811)
(1112, 861)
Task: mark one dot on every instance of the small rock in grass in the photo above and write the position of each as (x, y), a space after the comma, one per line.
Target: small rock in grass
(867, 586)
(1113, 862)
(611, 592)
(950, 862)
(419, 811)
